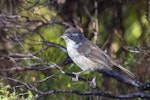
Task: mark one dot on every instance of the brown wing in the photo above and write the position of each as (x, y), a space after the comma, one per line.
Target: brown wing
(95, 54)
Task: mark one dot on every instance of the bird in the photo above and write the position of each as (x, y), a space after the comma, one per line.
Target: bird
(86, 55)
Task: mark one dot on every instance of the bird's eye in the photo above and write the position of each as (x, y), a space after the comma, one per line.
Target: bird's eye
(71, 35)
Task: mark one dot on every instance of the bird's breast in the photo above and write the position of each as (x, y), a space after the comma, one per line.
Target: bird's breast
(83, 62)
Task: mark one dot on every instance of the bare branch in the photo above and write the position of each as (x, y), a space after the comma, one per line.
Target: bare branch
(135, 94)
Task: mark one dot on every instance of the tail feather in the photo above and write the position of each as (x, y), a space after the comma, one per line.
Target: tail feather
(117, 65)
(126, 71)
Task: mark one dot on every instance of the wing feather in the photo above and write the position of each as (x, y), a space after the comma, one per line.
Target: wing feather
(95, 54)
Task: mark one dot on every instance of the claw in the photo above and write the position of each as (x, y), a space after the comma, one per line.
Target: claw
(76, 78)
(93, 83)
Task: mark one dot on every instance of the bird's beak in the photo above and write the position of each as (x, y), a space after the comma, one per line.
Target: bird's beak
(63, 36)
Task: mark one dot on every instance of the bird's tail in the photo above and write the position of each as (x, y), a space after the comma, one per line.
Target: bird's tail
(126, 71)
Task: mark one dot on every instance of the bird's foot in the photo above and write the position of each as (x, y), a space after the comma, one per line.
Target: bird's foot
(76, 78)
(93, 83)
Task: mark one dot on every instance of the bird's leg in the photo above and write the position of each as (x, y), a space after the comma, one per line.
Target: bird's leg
(76, 78)
(77, 74)
(93, 83)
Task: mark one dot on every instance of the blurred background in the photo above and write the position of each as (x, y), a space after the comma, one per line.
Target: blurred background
(30, 47)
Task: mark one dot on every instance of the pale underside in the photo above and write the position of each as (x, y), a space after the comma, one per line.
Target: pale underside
(91, 57)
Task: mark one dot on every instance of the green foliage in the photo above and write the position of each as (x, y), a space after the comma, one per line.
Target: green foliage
(5, 93)
(120, 23)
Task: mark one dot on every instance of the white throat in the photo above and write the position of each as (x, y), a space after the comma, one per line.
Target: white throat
(71, 44)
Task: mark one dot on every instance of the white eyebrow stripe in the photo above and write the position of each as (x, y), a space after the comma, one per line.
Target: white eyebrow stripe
(75, 34)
